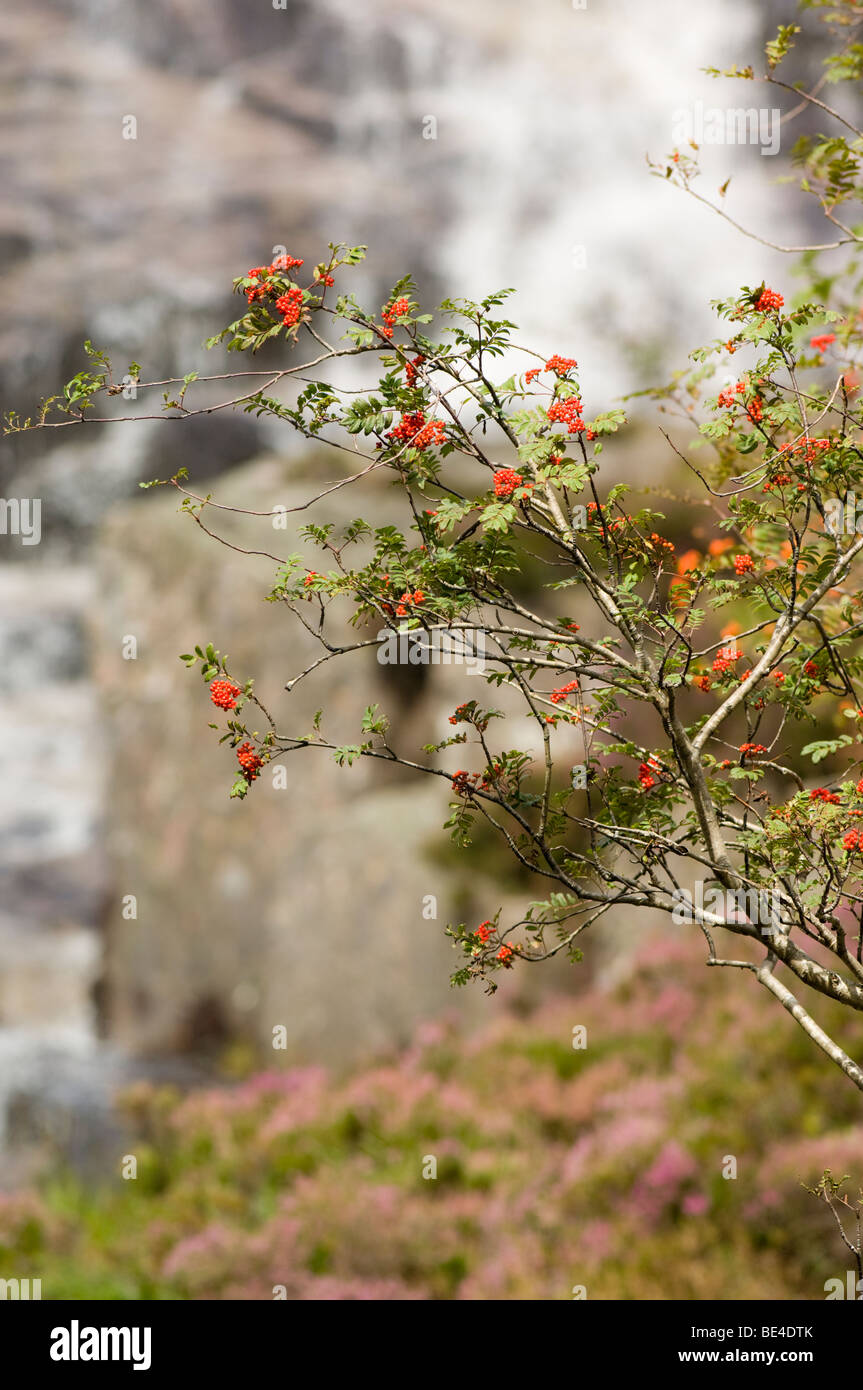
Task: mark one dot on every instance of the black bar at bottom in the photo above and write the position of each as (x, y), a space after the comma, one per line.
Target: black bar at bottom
(83, 1340)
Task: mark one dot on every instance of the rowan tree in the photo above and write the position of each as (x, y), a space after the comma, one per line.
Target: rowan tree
(706, 682)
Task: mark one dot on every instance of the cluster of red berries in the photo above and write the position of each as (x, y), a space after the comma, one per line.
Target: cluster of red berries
(743, 564)
(703, 682)
(412, 369)
(430, 435)
(468, 713)
(645, 774)
(659, 542)
(567, 413)
(557, 697)
(778, 480)
(821, 341)
(413, 429)
(504, 955)
(853, 840)
(323, 278)
(493, 773)
(596, 517)
(260, 289)
(810, 669)
(224, 694)
(262, 273)
(755, 408)
(557, 364)
(767, 300)
(506, 480)
(807, 449)
(408, 598)
(398, 309)
(822, 794)
(727, 398)
(249, 761)
(461, 782)
(286, 262)
(725, 659)
(483, 931)
(290, 306)
(560, 365)
(408, 426)
(812, 448)
(750, 750)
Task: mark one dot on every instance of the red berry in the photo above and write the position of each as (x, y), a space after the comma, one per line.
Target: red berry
(290, 306)
(822, 794)
(567, 413)
(249, 761)
(506, 480)
(286, 262)
(560, 365)
(558, 696)
(224, 694)
(412, 429)
(399, 308)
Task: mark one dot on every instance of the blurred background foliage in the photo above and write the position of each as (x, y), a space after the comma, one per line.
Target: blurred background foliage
(599, 1166)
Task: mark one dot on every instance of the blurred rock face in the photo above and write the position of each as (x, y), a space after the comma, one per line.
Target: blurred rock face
(153, 153)
(52, 866)
(302, 907)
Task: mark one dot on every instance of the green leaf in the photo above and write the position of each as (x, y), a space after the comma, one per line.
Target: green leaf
(822, 748)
